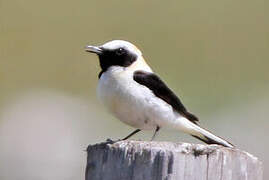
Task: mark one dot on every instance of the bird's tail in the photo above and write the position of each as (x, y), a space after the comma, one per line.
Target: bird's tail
(203, 134)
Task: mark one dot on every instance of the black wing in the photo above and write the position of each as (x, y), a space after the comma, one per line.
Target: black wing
(159, 88)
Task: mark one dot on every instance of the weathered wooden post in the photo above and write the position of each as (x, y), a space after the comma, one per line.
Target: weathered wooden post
(139, 160)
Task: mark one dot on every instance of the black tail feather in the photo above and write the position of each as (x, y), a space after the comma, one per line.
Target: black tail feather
(208, 140)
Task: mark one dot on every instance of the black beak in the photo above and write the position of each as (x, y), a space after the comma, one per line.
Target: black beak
(94, 49)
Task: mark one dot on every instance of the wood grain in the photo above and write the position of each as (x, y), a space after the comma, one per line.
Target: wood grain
(140, 160)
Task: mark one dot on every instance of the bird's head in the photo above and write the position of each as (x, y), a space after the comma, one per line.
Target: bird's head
(117, 53)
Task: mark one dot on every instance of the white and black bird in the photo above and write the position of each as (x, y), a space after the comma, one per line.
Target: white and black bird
(138, 97)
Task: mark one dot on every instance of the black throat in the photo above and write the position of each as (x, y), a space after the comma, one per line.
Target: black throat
(109, 58)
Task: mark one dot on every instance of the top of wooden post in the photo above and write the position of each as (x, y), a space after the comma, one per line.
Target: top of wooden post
(137, 160)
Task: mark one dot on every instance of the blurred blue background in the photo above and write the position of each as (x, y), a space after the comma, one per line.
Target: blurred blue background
(213, 54)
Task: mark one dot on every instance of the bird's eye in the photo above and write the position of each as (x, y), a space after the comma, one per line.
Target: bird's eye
(120, 51)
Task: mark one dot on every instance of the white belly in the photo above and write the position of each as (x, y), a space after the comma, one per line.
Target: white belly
(132, 103)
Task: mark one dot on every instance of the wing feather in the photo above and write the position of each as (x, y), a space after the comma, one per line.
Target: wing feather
(159, 88)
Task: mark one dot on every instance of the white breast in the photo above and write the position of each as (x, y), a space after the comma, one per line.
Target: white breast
(132, 103)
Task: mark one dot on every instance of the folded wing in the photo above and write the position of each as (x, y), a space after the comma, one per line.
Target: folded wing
(159, 88)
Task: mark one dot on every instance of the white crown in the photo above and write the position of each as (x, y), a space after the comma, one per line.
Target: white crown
(115, 44)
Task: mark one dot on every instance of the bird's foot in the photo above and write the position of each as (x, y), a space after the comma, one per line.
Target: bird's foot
(110, 141)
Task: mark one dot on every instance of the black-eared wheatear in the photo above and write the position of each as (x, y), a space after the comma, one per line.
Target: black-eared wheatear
(138, 97)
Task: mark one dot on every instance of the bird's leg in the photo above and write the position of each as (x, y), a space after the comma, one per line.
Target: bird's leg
(155, 133)
(130, 135)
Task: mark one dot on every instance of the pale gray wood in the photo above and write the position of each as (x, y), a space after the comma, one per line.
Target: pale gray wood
(139, 160)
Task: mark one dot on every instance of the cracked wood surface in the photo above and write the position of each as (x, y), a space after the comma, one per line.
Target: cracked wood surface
(140, 160)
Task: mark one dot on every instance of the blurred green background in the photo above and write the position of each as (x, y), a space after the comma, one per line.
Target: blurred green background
(213, 54)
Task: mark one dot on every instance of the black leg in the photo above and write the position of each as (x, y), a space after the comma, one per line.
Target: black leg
(130, 135)
(156, 131)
